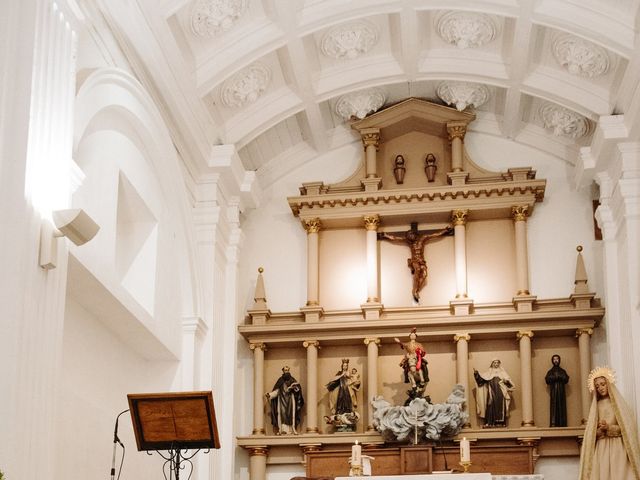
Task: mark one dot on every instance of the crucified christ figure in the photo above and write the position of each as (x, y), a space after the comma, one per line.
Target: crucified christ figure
(416, 242)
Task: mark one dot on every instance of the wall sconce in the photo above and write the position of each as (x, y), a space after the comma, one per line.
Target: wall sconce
(74, 224)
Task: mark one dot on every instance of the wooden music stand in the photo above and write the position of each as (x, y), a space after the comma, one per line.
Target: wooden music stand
(175, 422)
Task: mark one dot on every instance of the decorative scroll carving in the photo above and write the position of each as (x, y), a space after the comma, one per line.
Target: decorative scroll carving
(525, 333)
(461, 336)
(349, 40)
(312, 225)
(210, 17)
(245, 86)
(580, 57)
(564, 122)
(466, 29)
(463, 94)
(360, 104)
(259, 345)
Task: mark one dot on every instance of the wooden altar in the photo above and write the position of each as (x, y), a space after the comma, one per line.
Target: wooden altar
(488, 212)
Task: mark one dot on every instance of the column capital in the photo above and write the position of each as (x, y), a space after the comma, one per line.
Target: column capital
(461, 336)
(519, 213)
(258, 450)
(367, 341)
(582, 331)
(311, 343)
(524, 333)
(456, 130)
(371, 222)
(371, 137)
(312, 225)
(459, 217)
(311, 447)
(260, 345)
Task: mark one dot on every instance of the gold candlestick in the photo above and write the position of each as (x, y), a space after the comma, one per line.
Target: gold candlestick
(465, 465)
(356, 470)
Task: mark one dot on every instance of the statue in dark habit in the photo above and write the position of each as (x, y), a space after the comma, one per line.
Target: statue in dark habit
(557, 378)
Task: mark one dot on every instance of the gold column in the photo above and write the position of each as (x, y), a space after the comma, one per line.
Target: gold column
(371, 142)
(258, 462)
(584, 348)
(372, 378)
(456, 133)
(312, 226)
(258, 387)
(519, 214)
(459, 220)
(524, 338)
(312, 384)
(371, 224)
(462, 365)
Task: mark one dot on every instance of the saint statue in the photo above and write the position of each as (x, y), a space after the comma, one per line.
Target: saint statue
(416, 242)
(286, 403)
(610, 448)
(557, 378)
(493, 397)
(414, 364)
(343, 389)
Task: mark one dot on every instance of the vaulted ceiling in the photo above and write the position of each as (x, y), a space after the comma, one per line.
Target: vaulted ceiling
(280, 78)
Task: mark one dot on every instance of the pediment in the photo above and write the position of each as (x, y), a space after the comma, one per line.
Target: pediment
(413, 114)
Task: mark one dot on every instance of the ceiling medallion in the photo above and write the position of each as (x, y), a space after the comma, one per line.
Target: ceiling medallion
(359, 104)
(564, 122)
(580, 57)
(210, 17)
(245, 86)
(466, 29)
(463, 94)
(349, 40)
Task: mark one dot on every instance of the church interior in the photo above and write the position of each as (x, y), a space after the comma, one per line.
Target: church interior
(336, 216)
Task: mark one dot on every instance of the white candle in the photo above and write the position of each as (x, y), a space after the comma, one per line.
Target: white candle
(465, 450)
(356, 454)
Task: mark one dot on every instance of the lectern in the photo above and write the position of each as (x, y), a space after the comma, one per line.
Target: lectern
(175, 422)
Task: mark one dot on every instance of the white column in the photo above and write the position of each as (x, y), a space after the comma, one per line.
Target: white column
(619, 218)
(36, 120)
(372, 377)
(371, 224)
(462, 364)
(258, 387)
(258, 462)
(459, 220)
(312, 385)
(193, 330)
(524, 338)
(519, 214)
(456, 132)
(370, 140)
(312, 226)
(584, 349)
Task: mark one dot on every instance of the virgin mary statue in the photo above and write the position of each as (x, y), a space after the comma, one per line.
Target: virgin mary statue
(610, 447)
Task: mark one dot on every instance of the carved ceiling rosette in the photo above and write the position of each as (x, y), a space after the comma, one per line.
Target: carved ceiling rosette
(349, 40)
(466, 29)
(463, 94)
(580, 57)
(359, 104)
(210, 17)
(564, 122)
(245, 86)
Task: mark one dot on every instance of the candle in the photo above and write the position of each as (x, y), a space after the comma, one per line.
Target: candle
(356, 454)
(465, 450)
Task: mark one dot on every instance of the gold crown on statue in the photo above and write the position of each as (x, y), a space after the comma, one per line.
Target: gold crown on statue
(345, 360)
(597, 372)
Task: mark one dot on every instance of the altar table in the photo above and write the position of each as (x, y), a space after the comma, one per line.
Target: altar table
(435, 476)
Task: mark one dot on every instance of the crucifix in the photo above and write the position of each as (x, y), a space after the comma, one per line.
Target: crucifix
(416, 240)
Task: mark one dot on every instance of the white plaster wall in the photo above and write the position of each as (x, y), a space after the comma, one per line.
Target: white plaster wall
(98, 371)
(275, 240)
